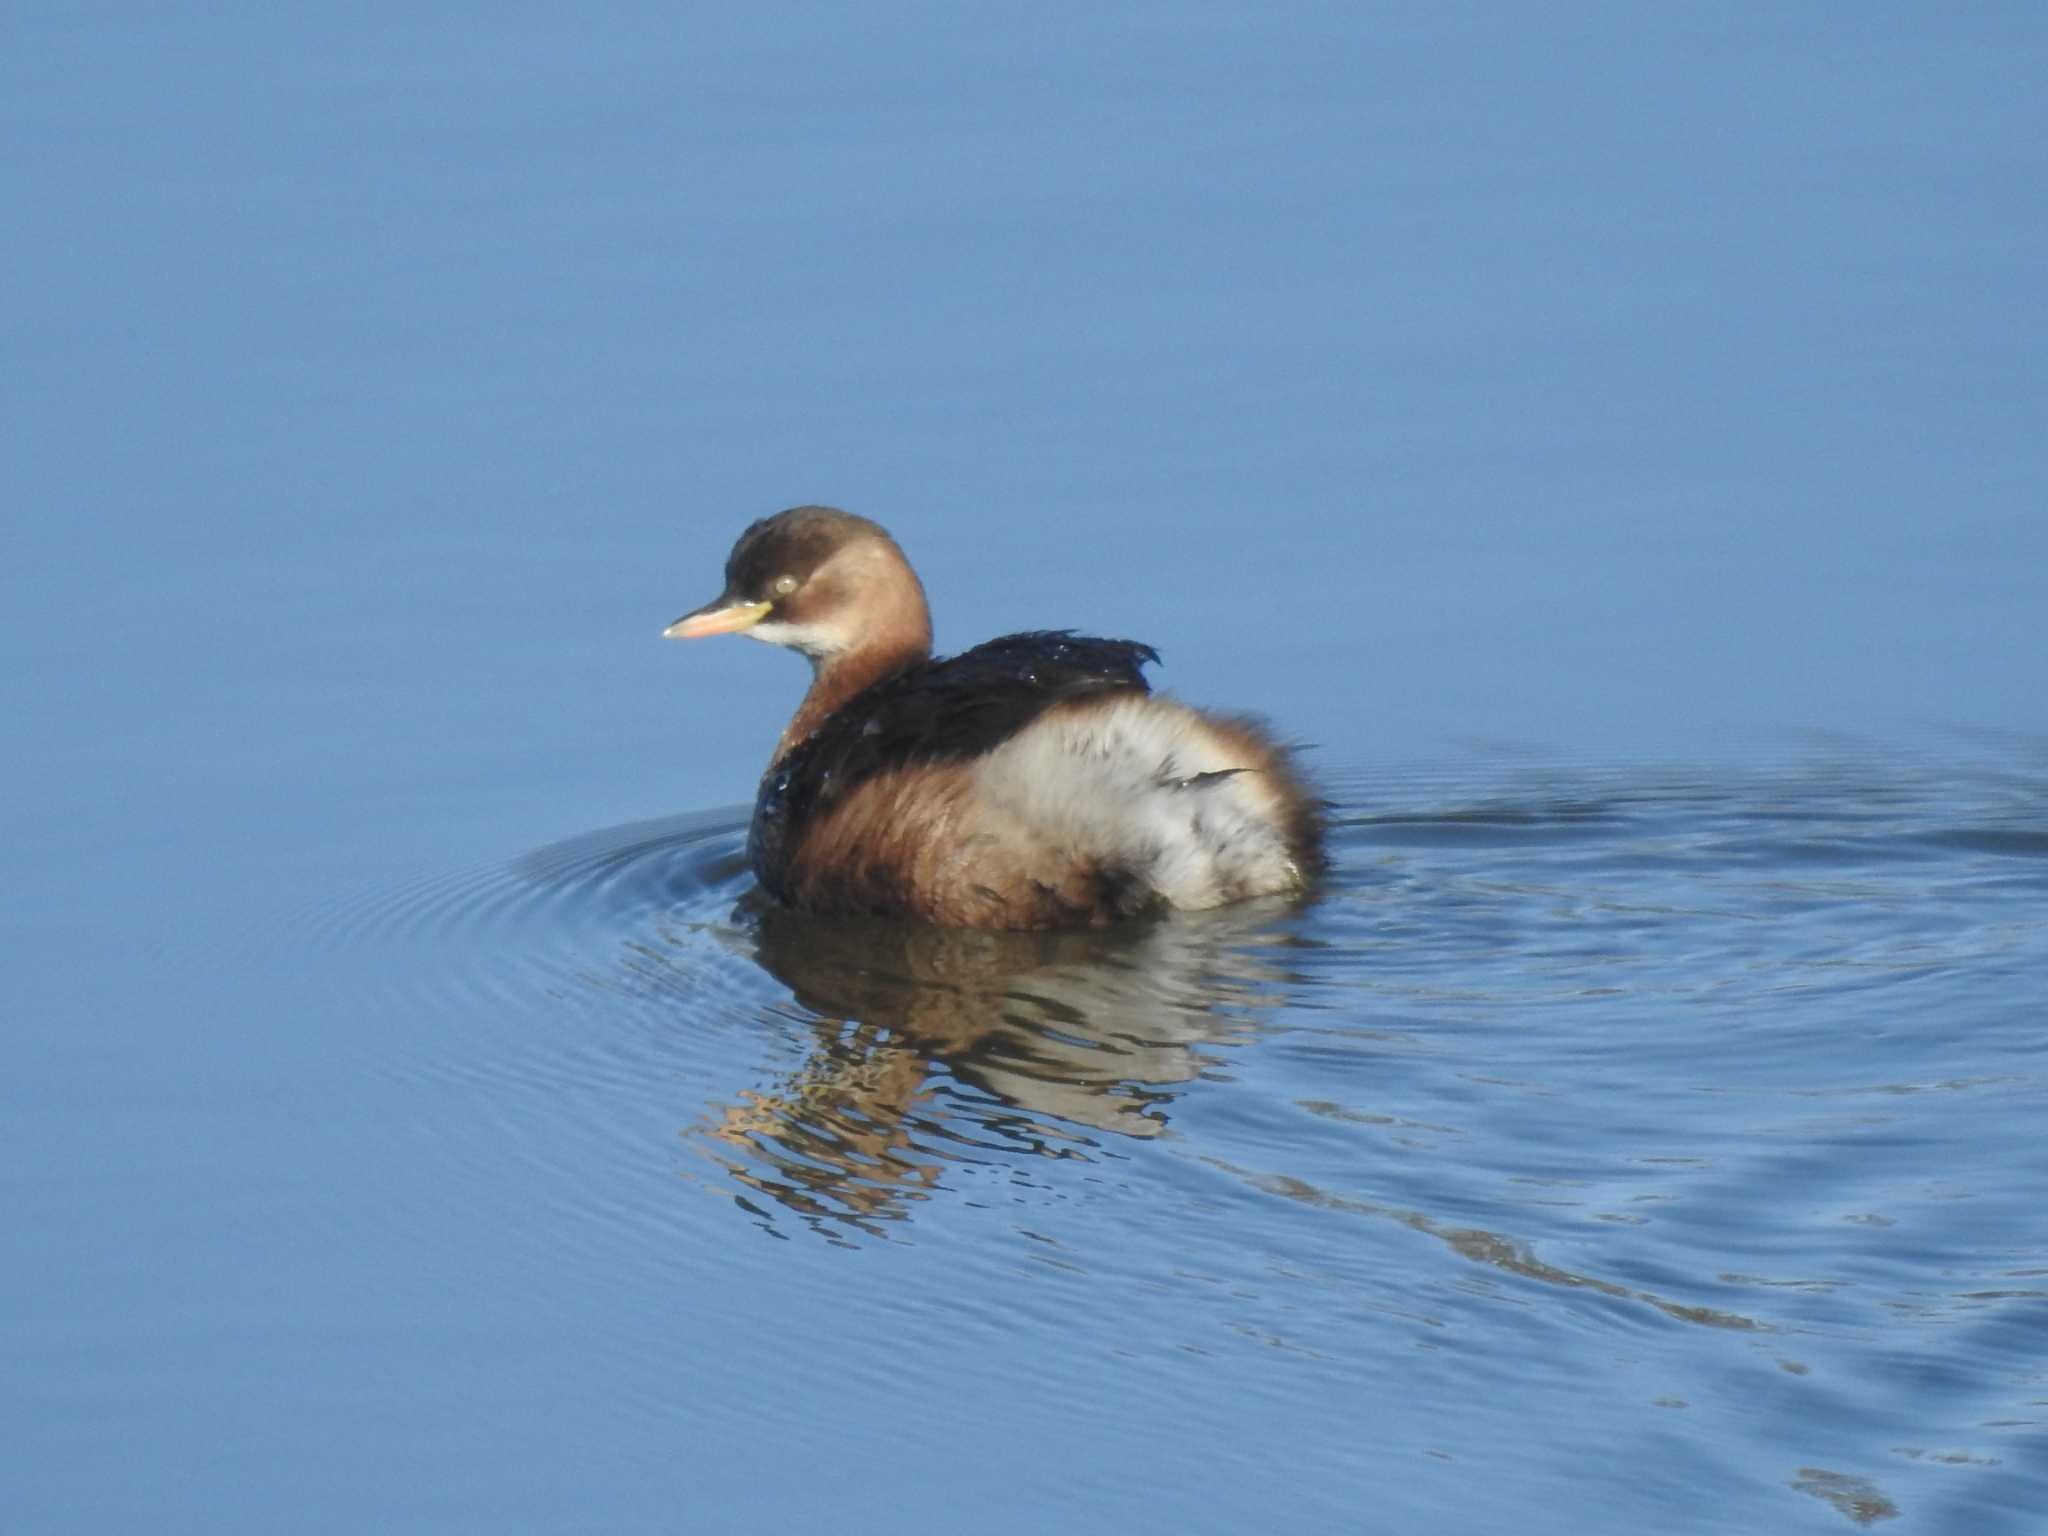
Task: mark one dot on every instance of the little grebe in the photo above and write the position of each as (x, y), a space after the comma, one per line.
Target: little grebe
(1032, 782)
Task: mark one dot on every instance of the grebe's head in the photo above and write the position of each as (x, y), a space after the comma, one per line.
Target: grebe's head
(820, 581)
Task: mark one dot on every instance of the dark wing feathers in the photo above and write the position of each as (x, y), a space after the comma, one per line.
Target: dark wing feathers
(944, 710)
(962, 706)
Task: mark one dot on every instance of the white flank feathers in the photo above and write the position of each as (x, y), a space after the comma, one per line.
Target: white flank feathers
(1119, 784)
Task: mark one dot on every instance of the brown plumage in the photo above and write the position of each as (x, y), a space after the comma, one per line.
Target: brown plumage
(1032, 782)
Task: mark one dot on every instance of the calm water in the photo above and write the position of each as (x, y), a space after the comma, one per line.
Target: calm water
(1615, 442)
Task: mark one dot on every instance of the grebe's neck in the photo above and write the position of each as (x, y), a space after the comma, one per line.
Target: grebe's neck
(838, 680)
(861, 617)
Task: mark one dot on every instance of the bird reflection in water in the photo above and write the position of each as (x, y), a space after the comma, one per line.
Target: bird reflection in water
(939, 1048)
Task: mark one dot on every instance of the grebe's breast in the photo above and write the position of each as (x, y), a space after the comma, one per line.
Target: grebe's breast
(948, 710)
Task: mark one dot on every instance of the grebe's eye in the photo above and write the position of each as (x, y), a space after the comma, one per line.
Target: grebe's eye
(784, 585)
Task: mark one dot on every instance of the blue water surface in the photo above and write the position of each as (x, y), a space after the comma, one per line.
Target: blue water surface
(1614, 440)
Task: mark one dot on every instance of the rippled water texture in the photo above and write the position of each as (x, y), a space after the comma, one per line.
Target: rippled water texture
(1515, 402)
(1672, 1127)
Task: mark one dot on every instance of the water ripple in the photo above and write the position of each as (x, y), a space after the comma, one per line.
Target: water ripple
(1584, 1056)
